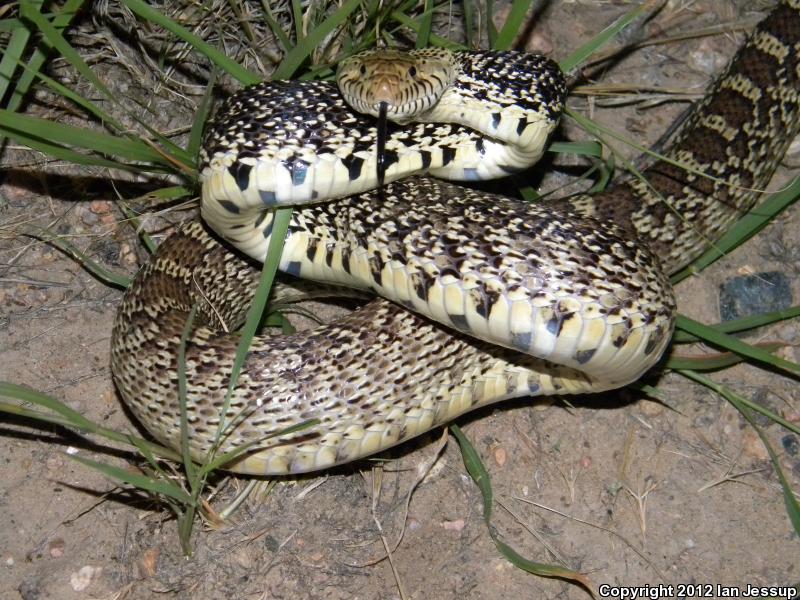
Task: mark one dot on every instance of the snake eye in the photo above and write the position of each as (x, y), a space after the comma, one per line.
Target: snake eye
(363, 70)
(412, 72)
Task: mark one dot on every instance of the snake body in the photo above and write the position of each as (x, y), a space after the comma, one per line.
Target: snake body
(567, 297)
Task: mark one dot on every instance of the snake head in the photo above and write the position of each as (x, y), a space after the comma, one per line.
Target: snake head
(408, 83)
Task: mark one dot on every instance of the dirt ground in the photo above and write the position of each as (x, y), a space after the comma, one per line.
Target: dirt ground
(623, 489)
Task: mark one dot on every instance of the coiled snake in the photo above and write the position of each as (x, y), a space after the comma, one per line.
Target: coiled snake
(564, 298)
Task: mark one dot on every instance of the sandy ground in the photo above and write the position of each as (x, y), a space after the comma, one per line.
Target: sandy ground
(623, 489)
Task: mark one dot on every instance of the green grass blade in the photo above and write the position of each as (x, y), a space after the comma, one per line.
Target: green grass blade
(469, 22)
(24, 394)
(491, 30)
(580, 55)
(198, 125)
(717, 338)
(280, 227)
(277, 30)
(789, 499)
(513, 25)
(415, 26)
(138, 480)
(12, 55)
(746, 227)
(93, 268)
(725, 393)
(188, 463)
(79, 137)
(234, 69)
(133, 219)
(53, 37)
(10, 25)
(594, 149)
(715, 362)
(62, 18)
(71, 418)
(743, 324)
(61, 153)
(598, 130)
(170, 192)
(174, 192)
(480, 476)
(231, 455)
(298, 55)
(297, 19)
(426, 22)
(151, 458)
(606, 167)
(86, 104)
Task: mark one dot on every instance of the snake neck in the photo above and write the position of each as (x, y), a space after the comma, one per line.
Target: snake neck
(292, 143)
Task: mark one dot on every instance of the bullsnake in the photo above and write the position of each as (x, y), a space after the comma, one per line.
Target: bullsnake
(573, 294)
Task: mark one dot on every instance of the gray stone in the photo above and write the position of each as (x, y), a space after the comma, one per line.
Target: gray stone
(754, 295)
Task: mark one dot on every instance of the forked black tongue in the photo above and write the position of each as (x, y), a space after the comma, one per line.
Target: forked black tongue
(383, 107)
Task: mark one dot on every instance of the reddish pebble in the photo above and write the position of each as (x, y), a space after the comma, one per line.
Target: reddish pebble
(149, 562)
(500, 456)
(100, 207)
(56, 547)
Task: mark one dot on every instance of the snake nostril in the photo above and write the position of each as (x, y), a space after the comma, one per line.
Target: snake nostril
(384, 91)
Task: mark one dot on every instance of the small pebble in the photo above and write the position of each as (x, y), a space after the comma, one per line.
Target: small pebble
(148, 564)
(500, 456)
(456, 525)
(707, 58)
(84, 577)
(8, 560)
(126, 254)
(790, 444)
(56, 547)
(788, 333)
(649, 408)
(100, 207)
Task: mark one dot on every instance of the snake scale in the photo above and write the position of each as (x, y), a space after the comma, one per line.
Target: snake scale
(566, 297)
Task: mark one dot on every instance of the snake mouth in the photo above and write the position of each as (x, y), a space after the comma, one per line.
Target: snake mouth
(400, 111)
